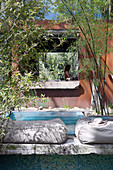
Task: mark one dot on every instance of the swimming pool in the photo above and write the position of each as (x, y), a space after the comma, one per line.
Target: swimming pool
(56, 162)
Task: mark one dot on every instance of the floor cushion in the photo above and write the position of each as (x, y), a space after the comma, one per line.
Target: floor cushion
(52, 131)
(94, 131)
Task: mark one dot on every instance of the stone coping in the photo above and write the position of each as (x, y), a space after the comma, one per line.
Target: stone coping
(71, 147)
(86, 112)
(50, 109)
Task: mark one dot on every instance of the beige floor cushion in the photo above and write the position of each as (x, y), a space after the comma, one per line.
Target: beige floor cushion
(94, 131)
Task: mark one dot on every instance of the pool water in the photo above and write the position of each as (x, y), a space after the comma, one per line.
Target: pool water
(68, 117)
(56, 162)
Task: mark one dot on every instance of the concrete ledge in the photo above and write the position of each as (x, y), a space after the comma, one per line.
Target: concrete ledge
(71, 147)
(56, 85)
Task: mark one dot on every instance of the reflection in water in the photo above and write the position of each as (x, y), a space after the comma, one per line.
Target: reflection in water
(56, 162)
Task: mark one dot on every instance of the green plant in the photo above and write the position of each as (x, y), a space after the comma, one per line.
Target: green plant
(97, 111)
(19, 36)
(41, 101)
(66, 106)
(111, 106)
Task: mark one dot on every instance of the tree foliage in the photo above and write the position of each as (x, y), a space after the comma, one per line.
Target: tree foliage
(19, 35)
(92, 19)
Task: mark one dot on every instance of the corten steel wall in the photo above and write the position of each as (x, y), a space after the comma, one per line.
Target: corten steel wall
(108, 78)
(81, 96)
(108, 83)
(109, 68)
(78, 97)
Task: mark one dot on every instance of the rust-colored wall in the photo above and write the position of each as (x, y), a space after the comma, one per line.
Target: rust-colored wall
(109, 80)
(81, 96)
(49, 24)
(78, 97)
